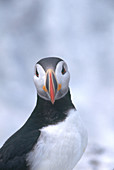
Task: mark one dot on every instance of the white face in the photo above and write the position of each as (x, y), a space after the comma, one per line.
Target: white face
(62, 77)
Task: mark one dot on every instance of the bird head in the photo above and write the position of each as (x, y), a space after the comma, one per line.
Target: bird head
(51, 78)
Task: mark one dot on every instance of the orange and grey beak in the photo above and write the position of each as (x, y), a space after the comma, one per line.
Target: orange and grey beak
(51, 85)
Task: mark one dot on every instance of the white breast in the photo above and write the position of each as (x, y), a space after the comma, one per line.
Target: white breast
(59, 146)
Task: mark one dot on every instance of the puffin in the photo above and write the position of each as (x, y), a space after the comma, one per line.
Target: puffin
(54, 136)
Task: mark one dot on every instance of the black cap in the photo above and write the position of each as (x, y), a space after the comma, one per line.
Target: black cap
(49, 62)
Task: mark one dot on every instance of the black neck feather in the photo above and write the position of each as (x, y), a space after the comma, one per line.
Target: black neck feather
(46, 113)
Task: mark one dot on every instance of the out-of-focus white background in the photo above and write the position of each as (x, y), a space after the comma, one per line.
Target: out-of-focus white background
(82, 33)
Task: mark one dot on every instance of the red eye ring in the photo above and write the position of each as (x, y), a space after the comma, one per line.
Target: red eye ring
(63, 70)
(37, 74)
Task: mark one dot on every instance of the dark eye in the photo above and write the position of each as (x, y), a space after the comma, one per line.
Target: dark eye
(37, 74)
(63, 70)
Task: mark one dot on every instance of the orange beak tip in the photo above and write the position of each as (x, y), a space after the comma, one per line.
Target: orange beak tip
(53, 102)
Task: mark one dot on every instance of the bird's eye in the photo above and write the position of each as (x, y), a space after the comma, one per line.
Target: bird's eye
(37, 74)
(63, 70)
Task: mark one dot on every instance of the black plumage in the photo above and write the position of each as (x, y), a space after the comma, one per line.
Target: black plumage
(49, 63)
(14, 151)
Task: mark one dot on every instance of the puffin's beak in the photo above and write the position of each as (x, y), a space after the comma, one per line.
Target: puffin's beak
(51, 84)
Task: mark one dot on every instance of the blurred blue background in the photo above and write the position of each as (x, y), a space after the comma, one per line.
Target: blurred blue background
(82, 33)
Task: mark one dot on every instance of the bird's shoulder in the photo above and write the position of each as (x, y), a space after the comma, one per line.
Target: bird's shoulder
(13, 152)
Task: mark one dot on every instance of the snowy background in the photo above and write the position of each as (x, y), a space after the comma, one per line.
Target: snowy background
(82, 33)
